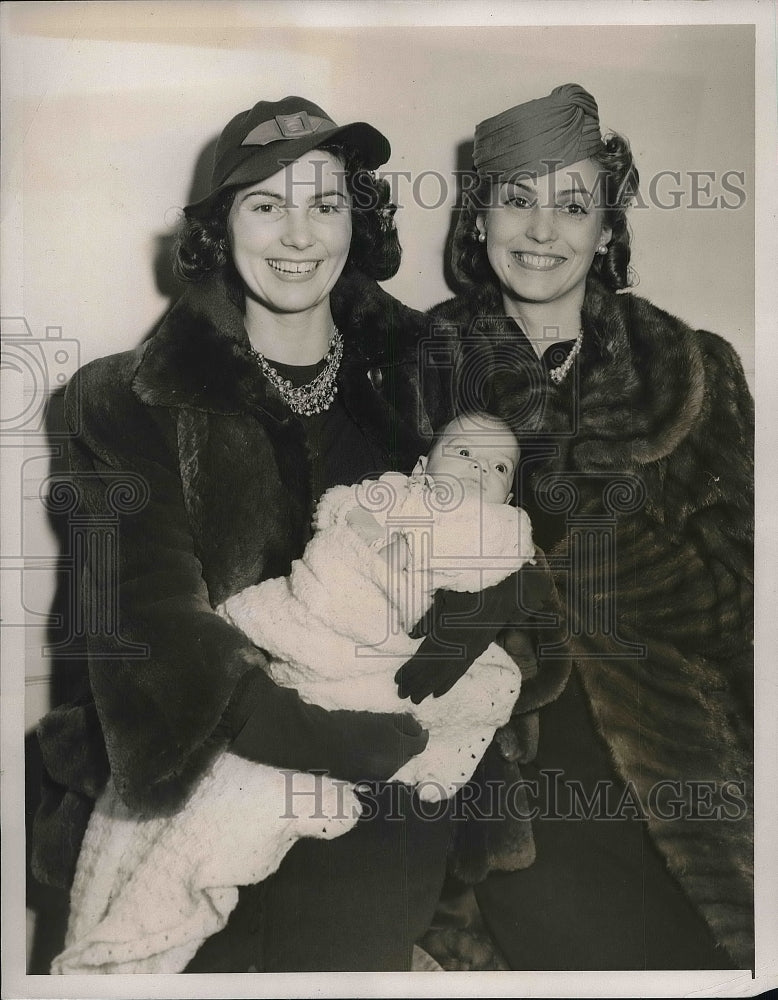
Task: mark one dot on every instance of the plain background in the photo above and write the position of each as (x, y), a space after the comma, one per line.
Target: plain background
(110, 111)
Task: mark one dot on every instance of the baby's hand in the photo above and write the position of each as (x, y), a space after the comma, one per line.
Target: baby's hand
(365, 525)
(394, 552)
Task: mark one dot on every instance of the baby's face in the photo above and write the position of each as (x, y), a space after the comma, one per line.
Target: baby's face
(480, 452)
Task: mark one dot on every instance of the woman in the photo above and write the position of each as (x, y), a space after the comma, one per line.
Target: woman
(637, 473)
(282, 371)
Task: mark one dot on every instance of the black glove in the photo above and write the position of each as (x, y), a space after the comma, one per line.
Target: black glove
(460, 626)
(273, 725)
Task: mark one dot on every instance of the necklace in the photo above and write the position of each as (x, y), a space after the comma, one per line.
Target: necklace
(557, 374)
(315, 396)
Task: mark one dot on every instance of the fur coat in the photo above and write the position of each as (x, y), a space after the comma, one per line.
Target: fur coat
(207, 473)
(650, 445)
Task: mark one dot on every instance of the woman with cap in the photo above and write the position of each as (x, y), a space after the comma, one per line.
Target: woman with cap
(283, 370)
(637, 473)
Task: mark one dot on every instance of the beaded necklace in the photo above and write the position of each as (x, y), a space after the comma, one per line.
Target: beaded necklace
(315, 396)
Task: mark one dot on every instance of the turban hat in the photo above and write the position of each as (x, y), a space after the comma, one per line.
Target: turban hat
(539, 136)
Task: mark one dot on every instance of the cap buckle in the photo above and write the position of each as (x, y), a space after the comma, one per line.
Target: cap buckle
(294, 125)
(291, 126)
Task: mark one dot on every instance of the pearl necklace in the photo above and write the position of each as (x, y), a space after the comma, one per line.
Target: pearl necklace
(557, 374)
(315, 396)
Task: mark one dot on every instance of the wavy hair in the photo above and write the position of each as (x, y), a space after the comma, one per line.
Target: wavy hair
(203, 251)
(619, 185)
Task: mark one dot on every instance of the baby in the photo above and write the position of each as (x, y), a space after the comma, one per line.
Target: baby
(471, 463)
(336, 629)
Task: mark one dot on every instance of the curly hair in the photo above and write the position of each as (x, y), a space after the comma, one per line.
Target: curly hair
(203, 251)
(619, 185)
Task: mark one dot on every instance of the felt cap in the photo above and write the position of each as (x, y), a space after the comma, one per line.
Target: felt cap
(259, 142)
(539, 136)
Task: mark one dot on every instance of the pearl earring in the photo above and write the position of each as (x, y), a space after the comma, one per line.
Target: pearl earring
(482, 237)
(602, 249)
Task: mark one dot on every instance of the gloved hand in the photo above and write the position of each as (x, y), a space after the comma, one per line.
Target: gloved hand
(273, 725)
(459, 626)
(517, 740)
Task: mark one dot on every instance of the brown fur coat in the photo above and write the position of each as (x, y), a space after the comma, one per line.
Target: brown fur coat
(651, 441)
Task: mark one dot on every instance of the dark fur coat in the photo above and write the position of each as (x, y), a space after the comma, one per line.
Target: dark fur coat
(651, 444)
(209, 474)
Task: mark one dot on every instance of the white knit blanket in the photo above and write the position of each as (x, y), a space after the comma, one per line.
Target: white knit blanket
(149, 891)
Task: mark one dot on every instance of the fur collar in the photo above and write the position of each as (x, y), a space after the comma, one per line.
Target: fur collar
(640, 374)
(199, 356)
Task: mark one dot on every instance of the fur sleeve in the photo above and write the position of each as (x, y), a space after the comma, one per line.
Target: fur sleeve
(163, 670)
(684, 562)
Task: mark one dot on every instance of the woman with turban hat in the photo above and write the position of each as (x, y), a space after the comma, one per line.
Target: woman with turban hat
(633, 730)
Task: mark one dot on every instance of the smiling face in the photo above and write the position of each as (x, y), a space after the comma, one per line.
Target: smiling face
(480, 452)
(542, 234)
(290, 234)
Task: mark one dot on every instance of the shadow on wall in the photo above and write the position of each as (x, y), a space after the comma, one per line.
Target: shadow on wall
(165, 243)
(464, 167)
(47, 907)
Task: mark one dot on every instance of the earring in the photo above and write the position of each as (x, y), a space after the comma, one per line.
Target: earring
(482, 237)
(602, 249)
